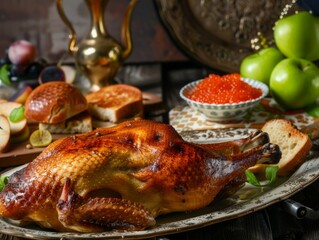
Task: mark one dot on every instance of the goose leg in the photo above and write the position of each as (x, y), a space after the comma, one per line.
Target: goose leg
(255, 139)
(100, 214)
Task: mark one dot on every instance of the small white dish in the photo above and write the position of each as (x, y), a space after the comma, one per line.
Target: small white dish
(224, 112)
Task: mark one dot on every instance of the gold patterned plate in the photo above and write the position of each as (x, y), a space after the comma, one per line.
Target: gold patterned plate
(218, 211)
(218, 34)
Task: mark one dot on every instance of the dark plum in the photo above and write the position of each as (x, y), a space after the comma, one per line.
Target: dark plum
(50, 74)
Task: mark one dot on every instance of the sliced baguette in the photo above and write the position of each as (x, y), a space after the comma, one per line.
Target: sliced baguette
(116, 102)
(293, 144)
(80, 123)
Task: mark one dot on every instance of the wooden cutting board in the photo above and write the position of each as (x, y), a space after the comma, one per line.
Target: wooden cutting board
(19, 153)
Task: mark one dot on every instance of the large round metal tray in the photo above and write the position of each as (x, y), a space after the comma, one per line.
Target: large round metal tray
(216, 33)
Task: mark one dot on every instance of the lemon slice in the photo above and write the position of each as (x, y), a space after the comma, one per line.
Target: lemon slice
(40, 138)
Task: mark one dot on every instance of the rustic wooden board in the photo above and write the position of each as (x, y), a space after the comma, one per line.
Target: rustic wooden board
(20, 154)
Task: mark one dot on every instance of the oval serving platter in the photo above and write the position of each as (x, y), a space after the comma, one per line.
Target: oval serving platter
(218, 211)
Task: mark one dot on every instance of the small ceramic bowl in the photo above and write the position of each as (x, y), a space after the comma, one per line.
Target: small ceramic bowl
(224, 112)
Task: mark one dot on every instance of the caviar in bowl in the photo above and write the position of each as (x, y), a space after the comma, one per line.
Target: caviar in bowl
(236, 109)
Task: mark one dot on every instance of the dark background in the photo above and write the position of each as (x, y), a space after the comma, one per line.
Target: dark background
(39, 22)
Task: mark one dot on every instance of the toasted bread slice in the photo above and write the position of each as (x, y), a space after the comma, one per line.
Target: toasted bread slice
(80, 123)
(293, 144)
(116, 102)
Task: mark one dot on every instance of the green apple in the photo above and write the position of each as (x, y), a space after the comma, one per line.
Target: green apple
(294, 83)
(259, 65)
(298, 36)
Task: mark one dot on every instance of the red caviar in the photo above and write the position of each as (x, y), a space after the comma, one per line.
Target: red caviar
(224, 89)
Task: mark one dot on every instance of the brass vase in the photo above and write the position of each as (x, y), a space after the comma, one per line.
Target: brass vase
(99, 56)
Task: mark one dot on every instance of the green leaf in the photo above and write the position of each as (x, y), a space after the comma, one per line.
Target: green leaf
(4, 74)
(251, 178)
(3, 182)
(17, 114)
(270, 173)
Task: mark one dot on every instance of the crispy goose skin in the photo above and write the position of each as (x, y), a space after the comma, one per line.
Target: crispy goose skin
(122, 178)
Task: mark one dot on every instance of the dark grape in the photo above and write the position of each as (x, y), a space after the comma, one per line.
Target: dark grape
(17, 72)
(34, 70)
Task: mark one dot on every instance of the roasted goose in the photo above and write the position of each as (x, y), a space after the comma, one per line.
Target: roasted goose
(123, 177)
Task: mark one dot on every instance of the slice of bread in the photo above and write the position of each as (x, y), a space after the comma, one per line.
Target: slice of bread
(116, 102)
(293, 144)
(80, 123)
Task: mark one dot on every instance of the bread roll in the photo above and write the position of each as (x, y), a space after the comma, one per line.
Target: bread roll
(116, 102)
(54, 102)
(293, 144)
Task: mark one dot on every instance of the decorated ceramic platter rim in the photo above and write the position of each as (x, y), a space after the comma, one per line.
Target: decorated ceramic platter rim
(222, 210)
